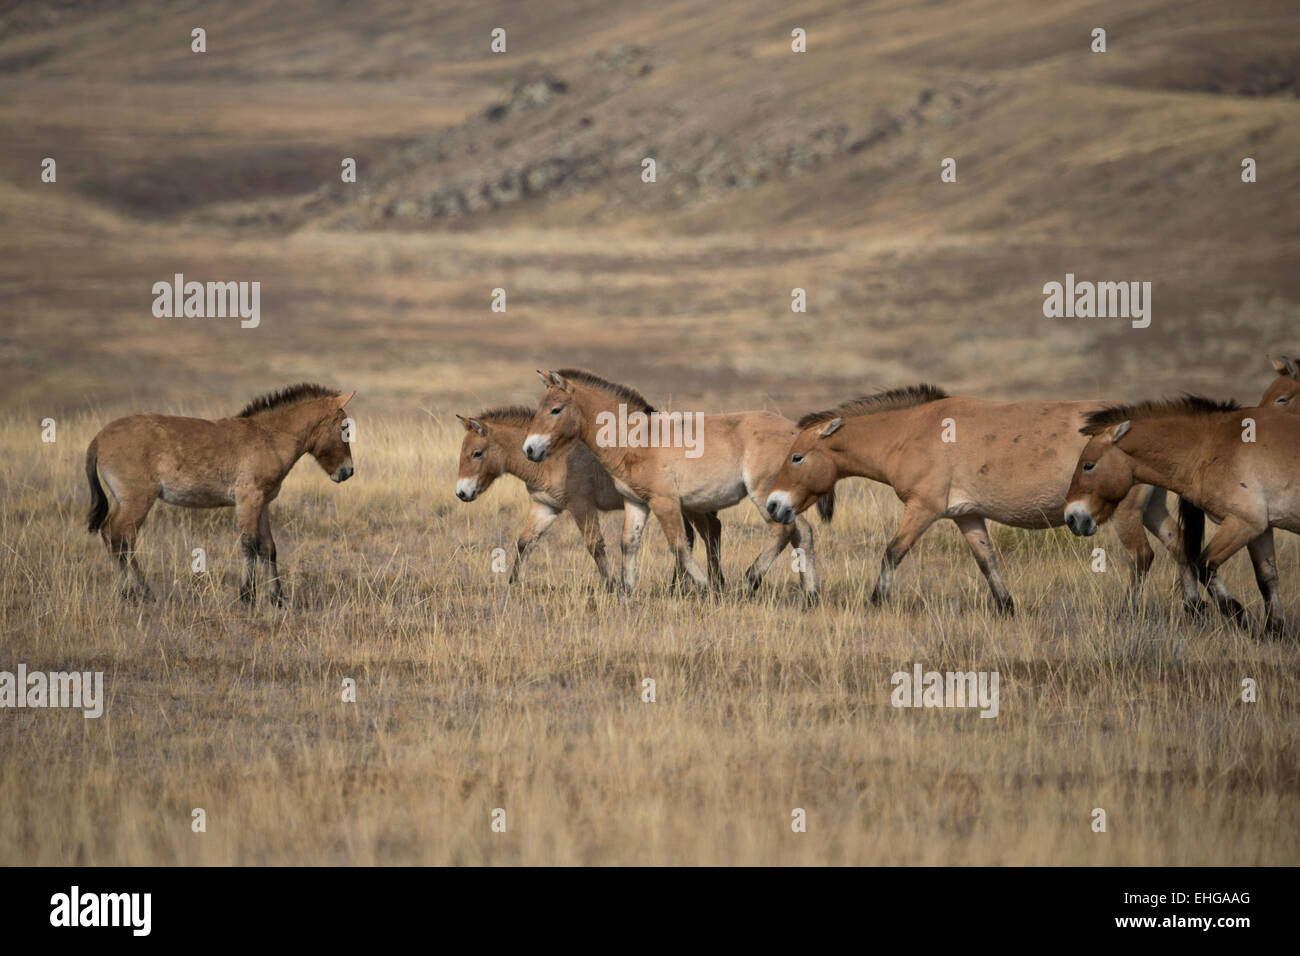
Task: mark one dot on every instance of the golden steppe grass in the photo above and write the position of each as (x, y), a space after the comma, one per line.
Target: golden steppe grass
(224, 167)
(472, 696)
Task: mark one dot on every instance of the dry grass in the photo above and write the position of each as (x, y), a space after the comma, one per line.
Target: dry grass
(472, 697)
(777, 171)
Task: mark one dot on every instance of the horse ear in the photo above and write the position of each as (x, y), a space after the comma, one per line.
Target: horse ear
(1284, 366)
(831, 427)
(1120, 430)
(558, 381)
(477, 425)
(542, 375)
(465, 421)
(342, 400)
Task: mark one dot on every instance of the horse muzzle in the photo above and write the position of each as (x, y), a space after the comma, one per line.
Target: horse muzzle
(467, 489)
(536, 447)
(1078, 520)
(343, 474)
(779, 507)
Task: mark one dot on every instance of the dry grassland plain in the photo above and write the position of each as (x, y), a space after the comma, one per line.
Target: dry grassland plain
(522, 171)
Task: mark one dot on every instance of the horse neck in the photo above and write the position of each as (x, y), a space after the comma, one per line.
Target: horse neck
(292, 426)
(509, 439)
(861, 451)
(592, 402)
(1165, 451)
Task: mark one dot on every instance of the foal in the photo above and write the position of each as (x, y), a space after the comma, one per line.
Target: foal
(197, 463)
(1204, 451)
(573, 480)
(738, 455)
(964, 459)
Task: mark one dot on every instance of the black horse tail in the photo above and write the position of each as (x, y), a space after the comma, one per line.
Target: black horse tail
(98, 500)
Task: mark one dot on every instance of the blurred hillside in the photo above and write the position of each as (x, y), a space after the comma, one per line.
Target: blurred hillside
(522, 171)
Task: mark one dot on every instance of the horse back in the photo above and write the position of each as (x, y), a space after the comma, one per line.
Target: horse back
(1008, 461)
(186, 461)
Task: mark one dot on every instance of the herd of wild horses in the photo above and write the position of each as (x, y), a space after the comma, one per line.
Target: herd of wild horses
(1032, 464)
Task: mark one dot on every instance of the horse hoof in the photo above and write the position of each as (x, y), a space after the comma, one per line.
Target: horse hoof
(136, 595)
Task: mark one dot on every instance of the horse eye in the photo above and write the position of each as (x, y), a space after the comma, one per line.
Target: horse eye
(555, 410)
(1090, 466)
(797, 459)
(1283, 400)
(479, 453)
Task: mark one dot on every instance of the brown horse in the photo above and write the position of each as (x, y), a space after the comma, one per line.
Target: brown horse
(669, 463)
(197, 463)
(1282, 395)
(1238, 465)
(572, 481)
(1285, 388)
(964, 459)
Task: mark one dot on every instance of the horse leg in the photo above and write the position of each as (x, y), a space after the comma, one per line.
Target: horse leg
(1265, 561)
(669, 513)
(709, 529)
(119, 534)
(588, 520)
(781, 535)
(540, 518)
(1232, 536)
(634, 517)
(803, 539)
(693, 525)
(916, 519)
(976, 533)
(713, 548)
(1157, 519)
(248, 514)
(266, 551)
(1128, 524)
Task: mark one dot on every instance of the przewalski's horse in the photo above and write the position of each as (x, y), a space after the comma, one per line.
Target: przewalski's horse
(572, 481)
(1282, 393)
(198, 463)
(736, 456)
(1199, 448)
(968, 460)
